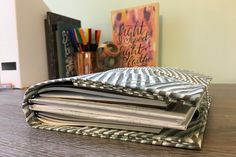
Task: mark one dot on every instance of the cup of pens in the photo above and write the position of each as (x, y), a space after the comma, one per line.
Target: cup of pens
(85, 43)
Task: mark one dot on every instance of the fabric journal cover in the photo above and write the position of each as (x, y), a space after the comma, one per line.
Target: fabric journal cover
(152, 105)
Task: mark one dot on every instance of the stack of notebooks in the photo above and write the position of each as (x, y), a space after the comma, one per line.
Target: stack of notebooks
(153, 105)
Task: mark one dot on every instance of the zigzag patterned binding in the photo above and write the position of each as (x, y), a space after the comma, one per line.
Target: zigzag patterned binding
(165, 84)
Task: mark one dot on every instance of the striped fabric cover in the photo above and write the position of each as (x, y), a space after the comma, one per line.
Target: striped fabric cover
(150, 82)
(165, 84)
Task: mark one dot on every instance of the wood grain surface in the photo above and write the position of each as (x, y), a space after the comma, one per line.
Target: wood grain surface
(18, 139)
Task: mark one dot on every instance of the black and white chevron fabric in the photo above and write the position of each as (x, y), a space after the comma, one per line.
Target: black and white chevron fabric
(165, 84)
(150, 82)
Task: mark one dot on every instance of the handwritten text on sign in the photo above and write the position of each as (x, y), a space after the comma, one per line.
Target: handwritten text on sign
(136, 43)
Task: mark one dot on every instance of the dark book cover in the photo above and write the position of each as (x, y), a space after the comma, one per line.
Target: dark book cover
(51, 27)
(65, 50)
(49, 55)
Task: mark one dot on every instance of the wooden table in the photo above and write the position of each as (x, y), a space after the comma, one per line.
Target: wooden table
(18, 139)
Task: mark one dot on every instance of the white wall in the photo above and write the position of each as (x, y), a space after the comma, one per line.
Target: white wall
(198, 35)
(8, 42)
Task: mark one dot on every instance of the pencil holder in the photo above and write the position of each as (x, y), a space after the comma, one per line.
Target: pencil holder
(84, 63)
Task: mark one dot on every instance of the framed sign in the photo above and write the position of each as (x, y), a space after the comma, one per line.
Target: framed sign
(135, 32)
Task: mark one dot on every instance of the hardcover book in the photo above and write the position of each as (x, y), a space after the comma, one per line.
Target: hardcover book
(66, 53)
(50, 31)
(135, 32)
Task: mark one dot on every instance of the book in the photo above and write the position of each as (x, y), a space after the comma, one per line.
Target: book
(135, 32)
(66, 53)
(161, 104)
(50, 30)
(60, 52)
